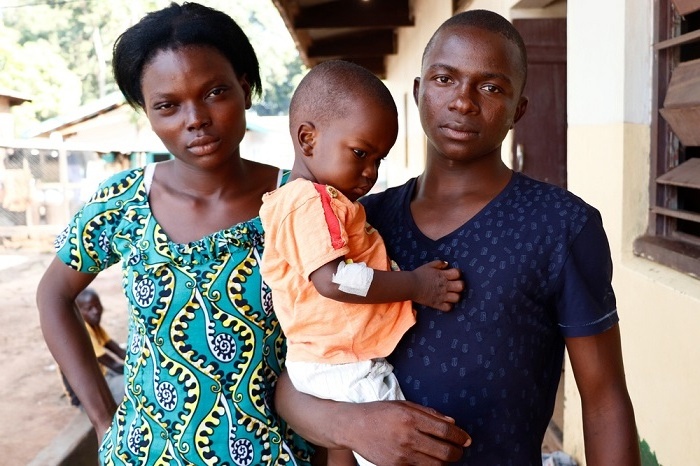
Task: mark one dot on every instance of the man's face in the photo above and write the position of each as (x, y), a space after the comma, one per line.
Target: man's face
(469, 93)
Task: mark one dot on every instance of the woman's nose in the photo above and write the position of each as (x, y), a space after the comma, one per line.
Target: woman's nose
(198, 117)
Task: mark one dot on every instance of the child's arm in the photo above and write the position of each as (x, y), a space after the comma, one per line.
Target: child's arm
(109, 361)
(432, 284)
(117, 350)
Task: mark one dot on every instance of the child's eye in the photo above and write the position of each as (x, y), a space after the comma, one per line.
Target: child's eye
(360, 153)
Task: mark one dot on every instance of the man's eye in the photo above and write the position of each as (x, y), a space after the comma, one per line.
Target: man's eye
(491, 88)
(360, 153)
(442, 79)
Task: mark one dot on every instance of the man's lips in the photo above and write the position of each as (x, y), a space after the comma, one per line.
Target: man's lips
(455, 131)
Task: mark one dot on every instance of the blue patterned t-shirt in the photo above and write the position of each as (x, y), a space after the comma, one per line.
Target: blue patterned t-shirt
(537, 267)
(204, 346)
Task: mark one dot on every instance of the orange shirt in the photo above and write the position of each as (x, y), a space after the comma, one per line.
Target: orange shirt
(306, 226)
(99, 338)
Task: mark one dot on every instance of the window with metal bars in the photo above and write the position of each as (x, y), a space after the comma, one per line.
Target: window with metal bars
(673, 235)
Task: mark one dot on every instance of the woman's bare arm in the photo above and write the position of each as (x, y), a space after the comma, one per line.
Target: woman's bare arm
(69, 342)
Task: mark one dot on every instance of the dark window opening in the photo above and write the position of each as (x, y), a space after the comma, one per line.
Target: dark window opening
(673, 235)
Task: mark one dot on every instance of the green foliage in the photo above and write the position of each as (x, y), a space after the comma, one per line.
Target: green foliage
(648, 456)
(34, 70)
(59, 52)
(280, 66)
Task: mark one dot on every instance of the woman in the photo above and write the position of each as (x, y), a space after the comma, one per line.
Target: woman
(204, 348)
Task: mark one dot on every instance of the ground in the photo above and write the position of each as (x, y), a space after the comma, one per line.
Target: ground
(32, 406)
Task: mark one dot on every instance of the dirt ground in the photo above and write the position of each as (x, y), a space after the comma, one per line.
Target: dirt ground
(33, 408)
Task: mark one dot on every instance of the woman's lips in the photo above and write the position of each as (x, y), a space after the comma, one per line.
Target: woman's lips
(203, 145)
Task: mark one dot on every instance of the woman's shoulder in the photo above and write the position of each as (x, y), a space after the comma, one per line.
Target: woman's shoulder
(121, 181)
(267, 175)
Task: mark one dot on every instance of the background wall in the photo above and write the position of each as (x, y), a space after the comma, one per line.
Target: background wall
(609, 104)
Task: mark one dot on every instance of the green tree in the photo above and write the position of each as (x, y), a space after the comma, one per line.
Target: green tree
(281, 68)
(83, 32)
(35, 70)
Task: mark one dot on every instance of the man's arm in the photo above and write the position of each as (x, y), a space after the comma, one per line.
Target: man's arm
(383, 432)
(609, 428)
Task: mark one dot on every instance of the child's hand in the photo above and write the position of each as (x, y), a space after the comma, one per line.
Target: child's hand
(438, 286)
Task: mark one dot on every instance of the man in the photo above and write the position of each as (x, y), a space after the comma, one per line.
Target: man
(537, 267)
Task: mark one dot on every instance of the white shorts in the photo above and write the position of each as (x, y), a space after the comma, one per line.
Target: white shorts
(355, 382)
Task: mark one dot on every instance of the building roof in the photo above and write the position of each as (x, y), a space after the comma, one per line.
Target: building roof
(80, 114)
(363, 32)
(15, 98)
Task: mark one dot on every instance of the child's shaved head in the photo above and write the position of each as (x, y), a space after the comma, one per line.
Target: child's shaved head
(324, 93)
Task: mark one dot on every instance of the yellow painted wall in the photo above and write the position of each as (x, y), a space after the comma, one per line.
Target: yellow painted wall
(659, 308)
(407, 158)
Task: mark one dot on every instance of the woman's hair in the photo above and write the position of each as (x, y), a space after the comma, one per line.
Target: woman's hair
(174, 27)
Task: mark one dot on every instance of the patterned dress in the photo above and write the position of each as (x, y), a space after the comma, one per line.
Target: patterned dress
(204, 347)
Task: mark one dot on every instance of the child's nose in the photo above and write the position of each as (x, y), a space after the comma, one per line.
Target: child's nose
(370, 171)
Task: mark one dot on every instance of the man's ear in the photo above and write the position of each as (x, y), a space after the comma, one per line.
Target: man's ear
(519, 110)
(306, 138)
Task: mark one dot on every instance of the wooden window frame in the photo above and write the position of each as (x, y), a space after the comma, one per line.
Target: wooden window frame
(663, 242)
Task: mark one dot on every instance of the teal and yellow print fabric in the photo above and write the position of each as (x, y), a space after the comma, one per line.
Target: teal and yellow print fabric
(204, 347)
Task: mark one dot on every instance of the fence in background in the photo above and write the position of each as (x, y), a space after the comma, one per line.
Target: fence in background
(44, 182)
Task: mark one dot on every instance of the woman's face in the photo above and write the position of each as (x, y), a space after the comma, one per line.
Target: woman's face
(196, 104)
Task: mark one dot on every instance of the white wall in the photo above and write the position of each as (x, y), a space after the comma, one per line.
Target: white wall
(609, 94)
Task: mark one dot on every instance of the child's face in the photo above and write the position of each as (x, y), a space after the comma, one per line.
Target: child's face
(196, 104)
(347, 152)
(469, 93)
(90, 308)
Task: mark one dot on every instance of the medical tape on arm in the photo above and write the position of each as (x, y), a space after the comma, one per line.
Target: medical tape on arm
(353, 278)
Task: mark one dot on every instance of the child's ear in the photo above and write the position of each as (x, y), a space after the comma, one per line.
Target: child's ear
(306, 137)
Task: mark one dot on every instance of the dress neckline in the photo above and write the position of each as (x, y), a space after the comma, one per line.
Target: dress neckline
(246, 234)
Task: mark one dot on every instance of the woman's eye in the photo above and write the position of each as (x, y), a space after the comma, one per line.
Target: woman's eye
(360, 153)
(163, 106)
(217, 91)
